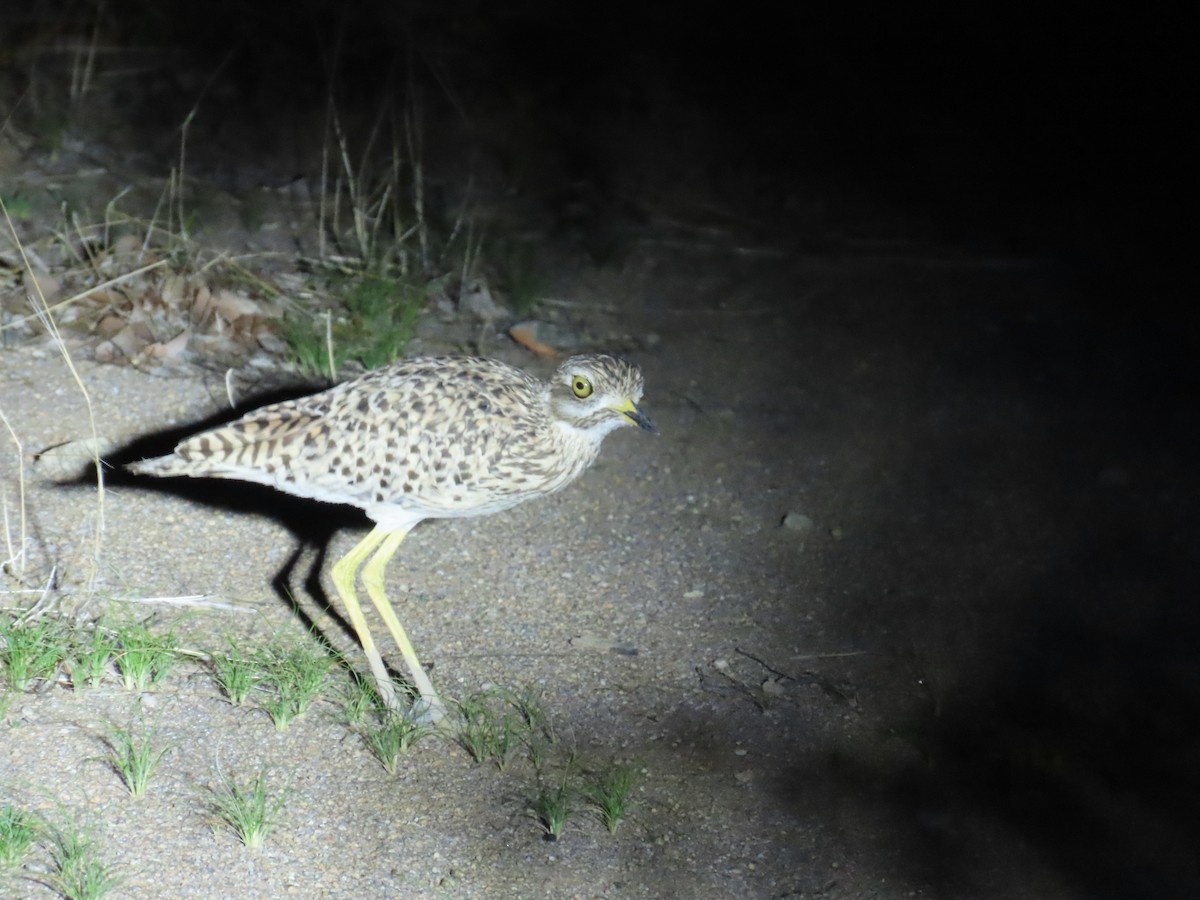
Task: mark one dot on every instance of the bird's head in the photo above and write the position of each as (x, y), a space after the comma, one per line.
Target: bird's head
(596, 394)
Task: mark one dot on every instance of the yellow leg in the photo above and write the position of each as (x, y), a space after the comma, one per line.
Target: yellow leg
(344, 572)
(430, 705)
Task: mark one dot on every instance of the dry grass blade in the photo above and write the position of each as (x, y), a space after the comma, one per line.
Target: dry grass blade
(43, 312)
(15, 563)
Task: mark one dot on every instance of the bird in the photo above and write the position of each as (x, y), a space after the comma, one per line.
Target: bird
(422, 438)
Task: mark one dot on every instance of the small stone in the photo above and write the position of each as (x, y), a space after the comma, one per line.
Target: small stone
(772, 687)
(797, 521)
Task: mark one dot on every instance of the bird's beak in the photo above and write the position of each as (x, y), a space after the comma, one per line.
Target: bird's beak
(636, 416)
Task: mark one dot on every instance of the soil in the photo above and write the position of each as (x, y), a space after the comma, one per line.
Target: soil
(899, 603)
(870, 617)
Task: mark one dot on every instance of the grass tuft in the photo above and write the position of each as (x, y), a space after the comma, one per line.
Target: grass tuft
(552, 807)
(30, 651)
(144, 659)
(608, 794)
(236, 673)
(490, 728)
(18, 831)
(293, 677)
(395, 734)
(94, 653)
(134, 758)
(249, 811)
(381, 318)
(78, 873)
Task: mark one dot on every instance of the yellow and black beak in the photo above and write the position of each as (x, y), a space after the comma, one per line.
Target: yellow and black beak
(636, 416)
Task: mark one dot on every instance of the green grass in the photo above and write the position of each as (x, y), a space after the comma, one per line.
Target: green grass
(608, 794)
(31, 651)
(18, 206)
(553, 806)
(77, 872)
(237, 674)
(293, 676)
(362, 703)
(94, 652)
(18, 831)
(380, 319)
(133, 757)
(537, 735)
(143, 658)
(395, 734)
(249, 811)
(490, 728)
(386, 732)
(495, 725)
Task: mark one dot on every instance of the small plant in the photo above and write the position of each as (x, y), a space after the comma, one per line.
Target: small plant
(236, 673)
(362, 702)
(609, 793)
(381, 318)
(294, 677)
(396, 733)
(134, 758)
(553, 807)
(17, 834)
(93, 657)
(487, 733)
(78, 874)
(539, 737)
(248, 811)
(30, 651)
(144, 659)
(18, 206)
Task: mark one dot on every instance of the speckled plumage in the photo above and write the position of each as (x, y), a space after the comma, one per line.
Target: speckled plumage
(422, 438)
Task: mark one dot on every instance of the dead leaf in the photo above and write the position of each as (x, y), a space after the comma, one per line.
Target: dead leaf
(231, 306)
(125, 344)
(202, 307)
(169, 352)
(525, 334)
(109, 325)
(174, 291)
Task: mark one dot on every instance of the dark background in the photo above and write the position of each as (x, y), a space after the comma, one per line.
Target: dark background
(1063, 131)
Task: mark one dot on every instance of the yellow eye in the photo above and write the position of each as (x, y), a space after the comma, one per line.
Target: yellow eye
(581, 386)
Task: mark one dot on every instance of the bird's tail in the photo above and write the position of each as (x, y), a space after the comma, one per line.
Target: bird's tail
(162, 467)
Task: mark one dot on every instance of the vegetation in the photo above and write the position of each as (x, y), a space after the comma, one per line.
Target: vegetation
(134, 757)
(292, 677)
(17, 834)
(249, 811)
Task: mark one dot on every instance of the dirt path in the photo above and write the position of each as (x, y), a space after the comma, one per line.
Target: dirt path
(926, 683)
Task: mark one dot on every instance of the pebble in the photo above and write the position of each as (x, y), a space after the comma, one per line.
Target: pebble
(797, 521)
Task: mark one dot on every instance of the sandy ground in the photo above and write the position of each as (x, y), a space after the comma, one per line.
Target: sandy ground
(926, 688)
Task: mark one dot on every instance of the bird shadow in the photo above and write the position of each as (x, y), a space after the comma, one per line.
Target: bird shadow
(311, 523)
